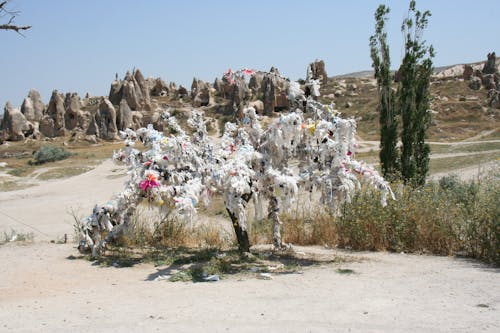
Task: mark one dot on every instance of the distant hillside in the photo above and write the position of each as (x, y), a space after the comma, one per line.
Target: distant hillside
(437, 70)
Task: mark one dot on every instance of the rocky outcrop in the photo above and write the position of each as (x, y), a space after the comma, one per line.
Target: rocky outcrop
(488, 81)
(318, 71)
(490, 66)
(134, 89)
(74, 117)
(200, 93)
(181, 92)
(274, 91)
(126, 118)
(32, 107)
(159, 88)
(53, 122)
(255, 84)
(494, 98)
(239, 94)
(15, 126)
(105, 121)
(468, 71)
(475, 83)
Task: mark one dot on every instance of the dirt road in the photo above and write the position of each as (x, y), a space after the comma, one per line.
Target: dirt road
(43, 290)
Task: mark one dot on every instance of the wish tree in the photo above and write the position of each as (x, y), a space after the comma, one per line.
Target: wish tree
(307, 148)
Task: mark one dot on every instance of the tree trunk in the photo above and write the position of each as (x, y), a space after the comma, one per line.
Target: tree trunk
(240, 227)
(273, 211)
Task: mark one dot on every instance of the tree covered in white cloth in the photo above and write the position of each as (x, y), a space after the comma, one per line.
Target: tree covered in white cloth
(179, 171)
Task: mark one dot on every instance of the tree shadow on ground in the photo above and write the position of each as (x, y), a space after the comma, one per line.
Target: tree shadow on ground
(208, 264)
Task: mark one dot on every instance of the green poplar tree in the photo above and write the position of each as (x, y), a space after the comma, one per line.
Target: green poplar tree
(414, 97)
(381, 63)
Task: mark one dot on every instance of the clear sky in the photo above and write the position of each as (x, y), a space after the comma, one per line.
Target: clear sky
(79, 45)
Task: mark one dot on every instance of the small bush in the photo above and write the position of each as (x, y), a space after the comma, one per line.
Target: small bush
(49, 154)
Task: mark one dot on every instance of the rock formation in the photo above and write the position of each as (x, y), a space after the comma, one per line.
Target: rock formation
(200, 93)
(274, 91)
(134, 89)
(32, 106)
(14, 125)
(74, 117)
(159, 88)
(105, 120)
(318, 71)
(468, 71)
(490, 64)
(102, 122)
(181, 92)
(52, 123)
(255, 83)
(475, 83)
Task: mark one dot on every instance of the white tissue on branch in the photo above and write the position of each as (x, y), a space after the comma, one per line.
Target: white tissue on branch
(176, 172)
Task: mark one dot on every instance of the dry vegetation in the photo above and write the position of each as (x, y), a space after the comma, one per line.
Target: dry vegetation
(459, 112)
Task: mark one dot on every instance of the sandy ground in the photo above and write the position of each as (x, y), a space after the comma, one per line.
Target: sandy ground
(43, 290)
(46, 209)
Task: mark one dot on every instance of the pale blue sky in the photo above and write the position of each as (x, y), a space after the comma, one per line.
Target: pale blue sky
(80, 45)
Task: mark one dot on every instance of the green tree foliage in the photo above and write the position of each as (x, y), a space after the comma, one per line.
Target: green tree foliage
(381, 63)
(411, 102)
(413, 97)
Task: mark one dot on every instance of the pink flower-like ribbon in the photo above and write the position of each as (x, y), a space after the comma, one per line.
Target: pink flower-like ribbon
(148, 183)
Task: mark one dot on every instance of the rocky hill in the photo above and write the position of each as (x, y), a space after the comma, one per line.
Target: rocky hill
(465, 103)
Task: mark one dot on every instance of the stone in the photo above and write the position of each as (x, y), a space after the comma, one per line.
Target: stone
(255, 83)
(200, 93)
(475, 83)
(488, 81)
(494, 98)
(258, 105)
(159, 88)
(318, 71)
(73, 116)
(105, 118)
(352, 87)
(468, 71)
(52, 123)
(27, 109)
(32, 107)
(37, 104)
(181, 92)
(141, 84)
(274, 91)
(14, 125)
(134, 89)
(219, 87)
(115, 92)
(92, 128)
(124, 118)
(92, 139)
(490, 64)
(338, 93)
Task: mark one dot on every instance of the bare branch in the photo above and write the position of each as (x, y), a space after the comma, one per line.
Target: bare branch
(10, 24)
(14, 27)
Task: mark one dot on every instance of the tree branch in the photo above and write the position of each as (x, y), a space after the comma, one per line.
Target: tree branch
(9, 25)
(15, 28)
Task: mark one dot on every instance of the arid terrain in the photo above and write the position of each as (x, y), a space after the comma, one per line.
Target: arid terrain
(47, 286)
(44, 287)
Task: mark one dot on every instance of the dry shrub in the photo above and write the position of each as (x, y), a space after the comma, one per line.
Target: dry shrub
(165, 230)
(309, 229)
(444, 218)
